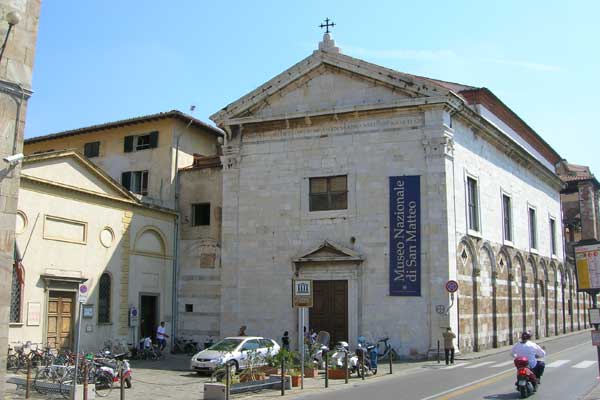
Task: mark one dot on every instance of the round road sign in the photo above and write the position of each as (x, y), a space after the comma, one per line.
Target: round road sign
(451, 286)
(83, 289)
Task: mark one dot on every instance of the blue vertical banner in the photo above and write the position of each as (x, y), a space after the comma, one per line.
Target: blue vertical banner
(405, 235)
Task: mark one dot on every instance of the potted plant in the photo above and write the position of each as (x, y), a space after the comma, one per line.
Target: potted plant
(311, 370)
(296, 376)
(336, 373)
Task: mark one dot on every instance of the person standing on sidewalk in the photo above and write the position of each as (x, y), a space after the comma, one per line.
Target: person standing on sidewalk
(449, 345)
(161, 335)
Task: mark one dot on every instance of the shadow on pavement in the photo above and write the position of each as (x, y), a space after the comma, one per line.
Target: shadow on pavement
(514, 395)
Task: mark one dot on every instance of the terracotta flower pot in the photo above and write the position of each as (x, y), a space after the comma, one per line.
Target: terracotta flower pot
(311, 372)
(295, 380)
(337, 373)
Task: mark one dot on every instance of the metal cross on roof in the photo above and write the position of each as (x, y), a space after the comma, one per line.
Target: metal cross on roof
(327, 25)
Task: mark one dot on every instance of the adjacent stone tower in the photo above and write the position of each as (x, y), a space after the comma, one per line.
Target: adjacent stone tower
(18, 32)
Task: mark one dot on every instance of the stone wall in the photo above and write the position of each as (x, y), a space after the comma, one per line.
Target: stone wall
(16, 66)
(199, 284)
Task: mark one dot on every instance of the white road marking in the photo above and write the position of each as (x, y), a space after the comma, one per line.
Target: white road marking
(585, 364)
(456, 366)
(504, 364)
(557, 363)
(480, 364)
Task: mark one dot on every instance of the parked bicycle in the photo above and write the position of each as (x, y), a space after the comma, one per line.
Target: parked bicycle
(385, 350)
(186, 346)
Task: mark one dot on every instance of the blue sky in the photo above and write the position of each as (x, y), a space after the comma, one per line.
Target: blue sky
(99, 61)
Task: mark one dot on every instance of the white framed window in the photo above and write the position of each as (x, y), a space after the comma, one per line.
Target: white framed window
(552, 222)
(507, 221)
(473, 221)
(533, 234)
(135, 181)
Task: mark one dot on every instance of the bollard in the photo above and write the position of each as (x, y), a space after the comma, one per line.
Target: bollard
(282, 376)
(438, 351)
(326, 370)
(362, 366)
(28, 381)
(346, 366)
(85, 381)
(121, 380)
(390, 357)
(227, 381)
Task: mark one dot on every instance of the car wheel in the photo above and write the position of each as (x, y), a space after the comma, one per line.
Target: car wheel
(234, 368)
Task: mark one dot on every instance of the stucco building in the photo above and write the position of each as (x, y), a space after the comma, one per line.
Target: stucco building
(77, 225)
(381, 186)
(169, 160)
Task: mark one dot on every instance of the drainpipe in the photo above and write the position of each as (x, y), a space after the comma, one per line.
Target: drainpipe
(175, 248)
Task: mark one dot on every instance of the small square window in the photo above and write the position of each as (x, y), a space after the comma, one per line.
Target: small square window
(201, 214)
(91, 149)
(328, 193)
(189, 308)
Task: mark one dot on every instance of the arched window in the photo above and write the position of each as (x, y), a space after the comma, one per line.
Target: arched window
(16, 293)
(104, 299)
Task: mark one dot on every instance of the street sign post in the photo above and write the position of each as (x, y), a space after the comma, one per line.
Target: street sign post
(595, 338)
(302, 298)
(83, 293)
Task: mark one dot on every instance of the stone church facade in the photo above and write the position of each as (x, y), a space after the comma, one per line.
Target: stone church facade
(307, 169)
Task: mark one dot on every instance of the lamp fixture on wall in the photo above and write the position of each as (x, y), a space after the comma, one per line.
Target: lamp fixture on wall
(12, 18)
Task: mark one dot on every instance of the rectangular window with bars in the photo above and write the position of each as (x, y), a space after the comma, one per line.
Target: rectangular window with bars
(328, 193)
(473, 204)
(15, 297)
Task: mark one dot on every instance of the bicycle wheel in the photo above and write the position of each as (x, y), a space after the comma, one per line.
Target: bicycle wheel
(44, 375)
(103, 383)
(12, 363)
(66, 383)
(49, 359)
(36, 361)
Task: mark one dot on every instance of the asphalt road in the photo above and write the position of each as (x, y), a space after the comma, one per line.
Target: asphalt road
(571, 371)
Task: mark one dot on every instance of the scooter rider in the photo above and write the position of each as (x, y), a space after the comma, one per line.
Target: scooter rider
(529, 349)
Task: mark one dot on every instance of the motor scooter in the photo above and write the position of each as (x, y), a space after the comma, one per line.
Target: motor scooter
(338, 358)
(526, 379)
(367, 356)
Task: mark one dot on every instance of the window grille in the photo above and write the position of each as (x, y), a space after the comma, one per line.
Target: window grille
(15, 297)
(104, 299)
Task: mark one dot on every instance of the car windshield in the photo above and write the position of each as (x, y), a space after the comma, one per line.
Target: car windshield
(226, 345)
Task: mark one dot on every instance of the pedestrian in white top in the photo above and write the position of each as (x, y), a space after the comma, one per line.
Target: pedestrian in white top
(527, 348)
(161, 334)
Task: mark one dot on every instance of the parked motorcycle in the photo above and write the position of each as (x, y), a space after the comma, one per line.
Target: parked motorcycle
(526, 379)
(367, 356)
(110, 364)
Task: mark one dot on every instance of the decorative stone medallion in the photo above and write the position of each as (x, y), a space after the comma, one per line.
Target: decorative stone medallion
(107, 237)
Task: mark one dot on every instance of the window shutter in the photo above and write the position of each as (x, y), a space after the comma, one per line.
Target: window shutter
(153, 139)
(126, 180)
(128, 148)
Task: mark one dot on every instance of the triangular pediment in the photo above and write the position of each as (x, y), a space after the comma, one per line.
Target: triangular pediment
(69, 169)
(327, 82)
(329, 251)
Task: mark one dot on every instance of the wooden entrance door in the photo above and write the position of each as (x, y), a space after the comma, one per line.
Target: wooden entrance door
(330, 309)
(60, 319)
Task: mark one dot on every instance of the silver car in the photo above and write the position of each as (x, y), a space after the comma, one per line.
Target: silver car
(236, 352)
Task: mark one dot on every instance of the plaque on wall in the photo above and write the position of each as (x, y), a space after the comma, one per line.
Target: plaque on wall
(34, 311)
